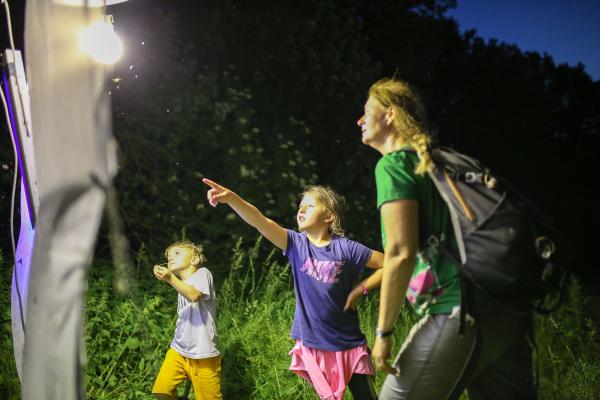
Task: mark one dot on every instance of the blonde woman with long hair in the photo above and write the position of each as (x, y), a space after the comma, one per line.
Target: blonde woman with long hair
(492, 359)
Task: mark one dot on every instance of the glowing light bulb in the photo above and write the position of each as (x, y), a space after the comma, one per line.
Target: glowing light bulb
(101, 42)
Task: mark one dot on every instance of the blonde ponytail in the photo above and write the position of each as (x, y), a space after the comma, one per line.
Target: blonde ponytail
(409, 119)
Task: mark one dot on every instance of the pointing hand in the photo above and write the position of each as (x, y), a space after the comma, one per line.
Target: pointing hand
(217, 193)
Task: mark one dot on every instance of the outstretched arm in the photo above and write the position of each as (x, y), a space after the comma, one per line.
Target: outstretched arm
(252, 215)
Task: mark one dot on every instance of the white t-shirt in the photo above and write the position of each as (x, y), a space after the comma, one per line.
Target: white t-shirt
(196, 330)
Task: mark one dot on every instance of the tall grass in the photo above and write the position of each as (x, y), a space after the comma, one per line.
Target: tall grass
(568, 349)
(256, 305)
(9, 380)
(127, 338)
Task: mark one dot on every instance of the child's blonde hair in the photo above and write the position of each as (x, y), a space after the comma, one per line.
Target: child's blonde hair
(197, 250)
(330, 201)
(410, 119)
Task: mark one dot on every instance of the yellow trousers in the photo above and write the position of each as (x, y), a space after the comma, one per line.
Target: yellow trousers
(204, 373)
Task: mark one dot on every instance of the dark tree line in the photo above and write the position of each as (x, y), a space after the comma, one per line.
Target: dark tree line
(264, 97)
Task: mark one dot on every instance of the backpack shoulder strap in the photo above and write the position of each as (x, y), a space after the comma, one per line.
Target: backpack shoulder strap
(454, 218)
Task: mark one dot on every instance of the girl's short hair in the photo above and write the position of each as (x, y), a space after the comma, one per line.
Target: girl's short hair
(330, 201)
(197, 250)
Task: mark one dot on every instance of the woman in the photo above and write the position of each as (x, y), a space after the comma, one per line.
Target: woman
(492, 359)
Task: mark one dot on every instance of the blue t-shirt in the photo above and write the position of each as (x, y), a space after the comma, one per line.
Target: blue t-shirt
(323, 278)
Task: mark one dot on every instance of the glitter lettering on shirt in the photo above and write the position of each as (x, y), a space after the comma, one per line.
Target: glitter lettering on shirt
(325, 271)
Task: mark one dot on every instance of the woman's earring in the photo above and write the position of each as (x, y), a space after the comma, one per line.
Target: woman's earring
(389, 116)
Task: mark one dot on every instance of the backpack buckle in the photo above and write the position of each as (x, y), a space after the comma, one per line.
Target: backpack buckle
(490, 181)
(545, 247)
(433, 241)
(473, 177)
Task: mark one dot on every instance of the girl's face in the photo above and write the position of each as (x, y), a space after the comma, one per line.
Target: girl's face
(180, 258)
(312, 214)
(373, 124)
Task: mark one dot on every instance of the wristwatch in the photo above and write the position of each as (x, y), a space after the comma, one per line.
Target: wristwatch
(381, 334)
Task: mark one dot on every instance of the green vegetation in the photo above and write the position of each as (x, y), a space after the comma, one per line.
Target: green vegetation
(568, 342)
(126, 338)
(9, 381)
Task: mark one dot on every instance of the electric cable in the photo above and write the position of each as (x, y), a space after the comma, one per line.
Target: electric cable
(12, 207)
(8, 22)
(16, 163)
(12, 138)
(15, 173)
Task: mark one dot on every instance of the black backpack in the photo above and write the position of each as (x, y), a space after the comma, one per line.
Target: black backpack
(508, 248)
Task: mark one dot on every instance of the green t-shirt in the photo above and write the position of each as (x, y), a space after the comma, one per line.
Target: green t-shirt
(434, 287)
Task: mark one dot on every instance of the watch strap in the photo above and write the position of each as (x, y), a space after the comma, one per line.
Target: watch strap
(382, 334)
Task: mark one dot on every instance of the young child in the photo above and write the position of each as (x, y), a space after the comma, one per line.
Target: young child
(330, 350)
(193, 352)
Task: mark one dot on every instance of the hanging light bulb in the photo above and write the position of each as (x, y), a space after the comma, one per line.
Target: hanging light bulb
(100, 41)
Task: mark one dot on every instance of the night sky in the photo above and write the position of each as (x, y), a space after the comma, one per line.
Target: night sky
(568, 30)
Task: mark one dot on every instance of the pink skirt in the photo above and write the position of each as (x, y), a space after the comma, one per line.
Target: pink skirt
(330, 371)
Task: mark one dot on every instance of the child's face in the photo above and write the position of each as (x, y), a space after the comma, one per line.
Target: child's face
(180, 258)
(312, 214)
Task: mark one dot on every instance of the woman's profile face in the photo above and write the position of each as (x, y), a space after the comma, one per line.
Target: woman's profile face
(373, 124)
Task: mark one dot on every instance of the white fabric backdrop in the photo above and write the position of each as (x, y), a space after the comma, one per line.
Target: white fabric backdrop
(75, 161)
